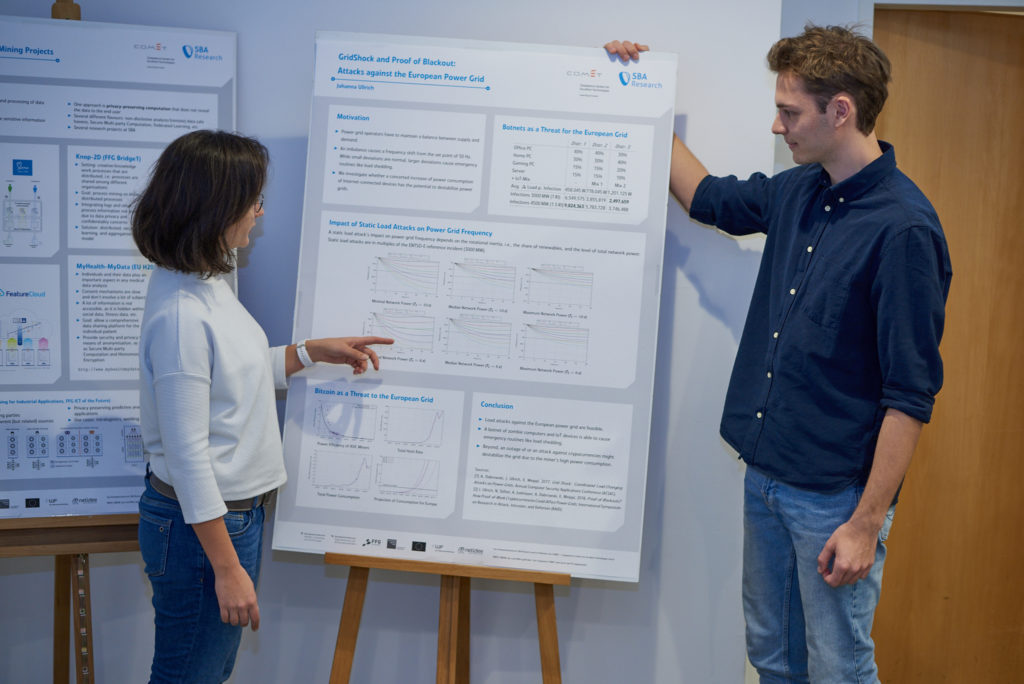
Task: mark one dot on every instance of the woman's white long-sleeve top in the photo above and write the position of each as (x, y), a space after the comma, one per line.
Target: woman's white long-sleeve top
(208, 374)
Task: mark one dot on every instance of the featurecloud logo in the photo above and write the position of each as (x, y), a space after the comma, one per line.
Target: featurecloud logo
(21, 293)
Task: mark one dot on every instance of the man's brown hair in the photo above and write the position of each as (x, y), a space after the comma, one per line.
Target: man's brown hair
(834, 59)
(203, 183)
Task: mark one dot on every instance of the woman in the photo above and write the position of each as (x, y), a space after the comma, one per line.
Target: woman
(207, 403)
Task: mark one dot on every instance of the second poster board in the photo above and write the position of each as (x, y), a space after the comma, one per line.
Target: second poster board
(86, 110)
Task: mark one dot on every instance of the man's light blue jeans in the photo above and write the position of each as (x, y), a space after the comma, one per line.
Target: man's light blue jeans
(799, 629)
(192, 645)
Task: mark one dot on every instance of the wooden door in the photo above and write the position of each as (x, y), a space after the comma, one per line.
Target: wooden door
(952, 607)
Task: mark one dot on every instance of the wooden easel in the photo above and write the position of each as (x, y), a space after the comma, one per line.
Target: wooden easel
(70, 541)
(66, 9)
(453, 616)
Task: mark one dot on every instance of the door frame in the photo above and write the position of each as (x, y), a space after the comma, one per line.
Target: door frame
(866, 8)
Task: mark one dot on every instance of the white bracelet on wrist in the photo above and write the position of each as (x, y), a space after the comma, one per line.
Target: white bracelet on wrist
(304, 357)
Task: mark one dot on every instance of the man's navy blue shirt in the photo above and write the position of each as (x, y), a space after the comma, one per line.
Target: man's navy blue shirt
(845, 319)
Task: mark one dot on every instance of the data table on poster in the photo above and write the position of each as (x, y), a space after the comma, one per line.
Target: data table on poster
(599, 172)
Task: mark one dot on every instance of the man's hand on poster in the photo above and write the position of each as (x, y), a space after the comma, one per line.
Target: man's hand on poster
(625, 50)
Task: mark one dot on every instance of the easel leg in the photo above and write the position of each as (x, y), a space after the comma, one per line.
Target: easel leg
(348, 628)
(547, 633)
(81, 610)
(61, 618)
(453, 631)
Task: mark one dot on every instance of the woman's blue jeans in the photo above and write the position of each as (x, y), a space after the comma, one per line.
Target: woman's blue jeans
(799, 629)
(192, 644)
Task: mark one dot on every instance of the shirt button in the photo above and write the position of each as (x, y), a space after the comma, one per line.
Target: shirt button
(842, 199)
(759, 415)
(769, 374)
(792, 291)
(775, 334)
(810, 248)
(828, 207)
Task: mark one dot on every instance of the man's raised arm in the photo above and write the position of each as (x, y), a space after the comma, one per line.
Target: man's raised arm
(686, 171)
(685, 174)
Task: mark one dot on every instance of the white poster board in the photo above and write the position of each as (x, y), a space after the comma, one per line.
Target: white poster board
(499, 210)
(85, 109)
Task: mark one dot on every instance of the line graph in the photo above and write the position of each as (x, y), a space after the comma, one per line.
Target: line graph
(423, 427)
(340, 421)
(409, 331)
(405, 275)
(340, 470)
(399, 475)
(483, 280)
(560, 286)
(478, 337)
(555, 343)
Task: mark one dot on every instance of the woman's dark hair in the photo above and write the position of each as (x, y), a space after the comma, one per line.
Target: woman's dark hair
(203, 182)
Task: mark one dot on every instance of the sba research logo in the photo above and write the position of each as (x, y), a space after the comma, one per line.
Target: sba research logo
(200, 52)
(637, 79)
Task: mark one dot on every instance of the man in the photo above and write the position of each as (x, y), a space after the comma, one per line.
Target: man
(838, 364)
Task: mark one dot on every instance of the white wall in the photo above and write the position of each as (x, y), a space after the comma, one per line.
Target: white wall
(682, 622)
(860, 13)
